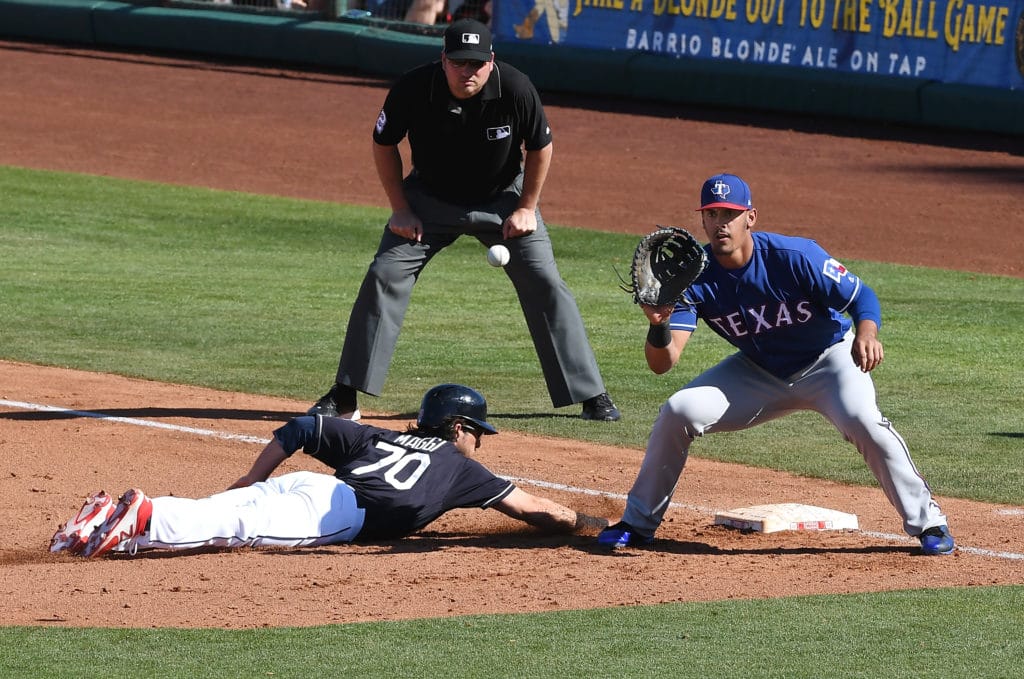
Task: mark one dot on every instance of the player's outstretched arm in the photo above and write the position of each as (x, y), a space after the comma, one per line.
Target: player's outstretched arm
(547, 514)
(269, 459)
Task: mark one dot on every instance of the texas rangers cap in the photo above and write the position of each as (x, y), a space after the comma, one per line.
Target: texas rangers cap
(468, 39)
(725, 190)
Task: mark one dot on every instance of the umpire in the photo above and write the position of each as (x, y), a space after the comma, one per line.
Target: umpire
(468, 119)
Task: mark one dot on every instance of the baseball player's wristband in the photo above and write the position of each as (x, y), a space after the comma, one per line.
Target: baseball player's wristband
(659, 336)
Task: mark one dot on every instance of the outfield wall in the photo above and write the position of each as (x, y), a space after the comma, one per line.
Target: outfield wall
(352, 45)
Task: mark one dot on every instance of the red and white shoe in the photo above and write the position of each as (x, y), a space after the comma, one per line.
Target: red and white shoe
(128, 520)
(73, 535)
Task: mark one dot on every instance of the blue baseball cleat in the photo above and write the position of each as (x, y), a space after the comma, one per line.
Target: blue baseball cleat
(621, 535)
(937, 540)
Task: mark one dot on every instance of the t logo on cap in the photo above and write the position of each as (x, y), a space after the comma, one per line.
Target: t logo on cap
(720, 189)
(725, 190)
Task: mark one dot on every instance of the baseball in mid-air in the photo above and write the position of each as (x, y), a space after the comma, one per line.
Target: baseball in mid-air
(498, 255)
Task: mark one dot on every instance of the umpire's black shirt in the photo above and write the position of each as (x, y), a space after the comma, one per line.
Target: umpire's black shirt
(464, 151)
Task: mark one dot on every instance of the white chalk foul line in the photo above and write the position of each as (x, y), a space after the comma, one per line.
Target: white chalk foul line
(540, 484)
(137, 422)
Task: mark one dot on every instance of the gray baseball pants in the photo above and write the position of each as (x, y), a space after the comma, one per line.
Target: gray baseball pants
(554, 321)
(737, 394)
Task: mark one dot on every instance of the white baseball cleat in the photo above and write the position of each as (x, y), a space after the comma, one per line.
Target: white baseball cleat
(73, 535)
(128, 520)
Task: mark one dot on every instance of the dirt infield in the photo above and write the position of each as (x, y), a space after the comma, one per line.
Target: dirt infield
(871, 193)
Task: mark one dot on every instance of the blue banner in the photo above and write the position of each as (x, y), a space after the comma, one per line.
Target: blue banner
(952, 41)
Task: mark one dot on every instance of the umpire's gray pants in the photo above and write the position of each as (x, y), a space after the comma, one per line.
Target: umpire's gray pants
(570, 369)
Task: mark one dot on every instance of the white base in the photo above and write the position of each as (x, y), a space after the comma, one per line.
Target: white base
(788, 516)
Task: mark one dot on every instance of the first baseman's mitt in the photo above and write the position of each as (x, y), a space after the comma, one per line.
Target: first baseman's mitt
(665, 263)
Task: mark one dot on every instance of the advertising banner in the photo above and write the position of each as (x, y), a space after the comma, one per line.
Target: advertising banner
(953, 41)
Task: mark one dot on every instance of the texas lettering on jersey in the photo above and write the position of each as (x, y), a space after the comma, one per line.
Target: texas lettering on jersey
(738, 323)
(782, 310)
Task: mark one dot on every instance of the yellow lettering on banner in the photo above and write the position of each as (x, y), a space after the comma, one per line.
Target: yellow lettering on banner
(952, 14)
(723, 8)
(907, 18)
(971, 23)
(598, 4)
(813, 11)
(762, 11)
(865, 16)
(928, 31)
(968, 25)
(666, 7)
(887, 14)
(636, 6)
(856, 16)
(991, 24)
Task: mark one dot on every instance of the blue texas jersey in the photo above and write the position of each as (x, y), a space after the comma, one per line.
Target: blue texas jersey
(782, 309)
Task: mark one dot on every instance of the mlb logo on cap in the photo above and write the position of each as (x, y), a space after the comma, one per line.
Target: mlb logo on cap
(468, 39)
(725, 190)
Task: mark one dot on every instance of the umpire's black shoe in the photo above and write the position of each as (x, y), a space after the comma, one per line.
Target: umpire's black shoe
(340, 401)
(600, 408)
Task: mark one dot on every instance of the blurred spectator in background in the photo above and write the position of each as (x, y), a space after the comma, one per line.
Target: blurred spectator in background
(413, 11)
(424, 11)
(474, 9)
(427, 12)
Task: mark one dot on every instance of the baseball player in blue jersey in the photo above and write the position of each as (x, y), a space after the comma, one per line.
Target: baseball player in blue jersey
(386, 484)
(806, 330)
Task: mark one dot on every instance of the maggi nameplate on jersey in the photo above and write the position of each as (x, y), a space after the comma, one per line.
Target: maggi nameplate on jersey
(416, 443)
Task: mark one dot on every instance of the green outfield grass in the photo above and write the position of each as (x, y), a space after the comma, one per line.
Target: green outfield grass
(251, 293)
(968, 633)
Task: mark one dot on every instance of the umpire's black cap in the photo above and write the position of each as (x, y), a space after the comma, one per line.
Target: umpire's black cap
(468, 39)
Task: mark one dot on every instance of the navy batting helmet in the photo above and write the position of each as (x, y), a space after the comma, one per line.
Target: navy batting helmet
(448, 401)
